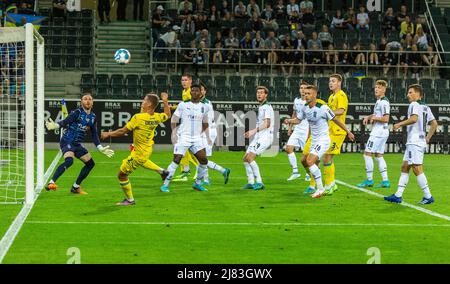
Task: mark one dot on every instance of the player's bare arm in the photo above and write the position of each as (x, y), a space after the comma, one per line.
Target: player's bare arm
(383, 119)
(165, 100)
(339, 111)
(265, 125)
(292, 121)
(413, 119)
(433, 128)
(116, 133)
(350, 135)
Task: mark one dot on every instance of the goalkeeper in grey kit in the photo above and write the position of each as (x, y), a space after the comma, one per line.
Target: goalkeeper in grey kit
(76, 126)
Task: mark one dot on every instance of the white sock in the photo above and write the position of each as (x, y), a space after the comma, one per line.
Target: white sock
(171, 168)
(249, 171)
(75, 185)
(186, 168)
(369, 167)
(202, 171)
(404, 177)
(51, 181)
(382, 167)
(256, 172)
(293, 162)
(315, 171)
(215, 166)
(422, 180)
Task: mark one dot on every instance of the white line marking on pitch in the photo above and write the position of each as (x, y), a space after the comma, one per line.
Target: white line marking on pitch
(237, 224)
(421, 209)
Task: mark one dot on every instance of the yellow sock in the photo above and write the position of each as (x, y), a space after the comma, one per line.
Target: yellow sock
(151, 166)
(328, 170)
(126, 187)
(312, 181)
(184, 161)
(193, 160)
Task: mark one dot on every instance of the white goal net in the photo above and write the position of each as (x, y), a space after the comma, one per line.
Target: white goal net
(21, 117)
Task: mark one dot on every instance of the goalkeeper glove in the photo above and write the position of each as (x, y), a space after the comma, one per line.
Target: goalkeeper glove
(51, 125)
(106, 151)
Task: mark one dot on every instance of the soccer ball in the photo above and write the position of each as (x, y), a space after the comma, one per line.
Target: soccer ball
(122, 56)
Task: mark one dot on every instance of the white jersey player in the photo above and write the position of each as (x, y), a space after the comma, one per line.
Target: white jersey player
(263, 138)
(187, 136)
(419, 116)
(209, 138)
(297, 137)
(378, 137)
(318, 116)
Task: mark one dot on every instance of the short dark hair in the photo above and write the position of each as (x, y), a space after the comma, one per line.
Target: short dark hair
(203, 85)
(416, 88)
(312, 87)
(86, 93)
(304, 83)
(187, 75)
(195, 86)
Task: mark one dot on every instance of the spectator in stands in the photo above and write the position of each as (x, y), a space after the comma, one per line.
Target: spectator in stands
(350, 19)
(201, 23)
(217, 57)
(252, 8)
(255, 23)
(232, 58)
(362, 19)
(186, 11)
(59, 8)
(291, 7)
(299, 47)
(387, 59)
(271, 38)
(294, 22)
(228, 24)
(138, 10)
(389, 21)
(272, 56)
(200, 58)
(409, 33)
(280, 10)
(246, 44)
(188, 26)
(345, 58)
(182, 6)
(225, 8)
(373, 55)
(421, 39)
(382, 44)
(338, 22)
(258, 45)
(414, 61)
(199, 7)
(268, 18)
(407, 42)
(430, 58)
(231, 41)
(402, 57)
(314, 41)
(188, 57)
(170, 38)
(315, 57)
(401, 16)
(287, 55)
(406, 27)
(219, 39)
(122, 10)
(240, 11)
(325, 36)
(421, 22)
(214, 17)
(26, 8)
(331, 55)
(306, 6)
(158, 22)
(358, 54)
(104, 8)
(308, 19)
(204, 36)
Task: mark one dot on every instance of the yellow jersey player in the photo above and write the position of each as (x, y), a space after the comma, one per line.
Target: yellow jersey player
(143, 126)
(186, 83)
(338, 103)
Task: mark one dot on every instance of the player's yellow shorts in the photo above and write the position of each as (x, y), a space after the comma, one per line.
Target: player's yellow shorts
(335, 145)
(132, 162)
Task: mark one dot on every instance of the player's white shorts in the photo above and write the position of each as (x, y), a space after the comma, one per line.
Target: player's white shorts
(194, 146)
(376, 144)
(259, 145)
(213, 137)
(320, 146)
(414, 154)
(298, 139)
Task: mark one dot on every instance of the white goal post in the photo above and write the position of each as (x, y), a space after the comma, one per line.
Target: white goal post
(22, 108)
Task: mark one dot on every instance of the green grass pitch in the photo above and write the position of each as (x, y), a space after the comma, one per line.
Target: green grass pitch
(231, 225)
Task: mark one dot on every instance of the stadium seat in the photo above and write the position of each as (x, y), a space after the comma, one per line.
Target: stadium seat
(132, 81)
(440, 84)
(56, 62)
(352, 83)
(85, 64)
(294, 82)
(220, 81)
(87, 81)
(70, 62)
(410, 81)
(265, 81)
(161, 80)
(175, 80)
(322, 82)
(235, 81)
(117, 81)
(367, 83)
(72, 41)
(207, 80)
(396, 83)
(102, 80)
(118, 92)
(279, 82)
(102, 92)
(249, 81)
(134, 92)
(147, 83)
